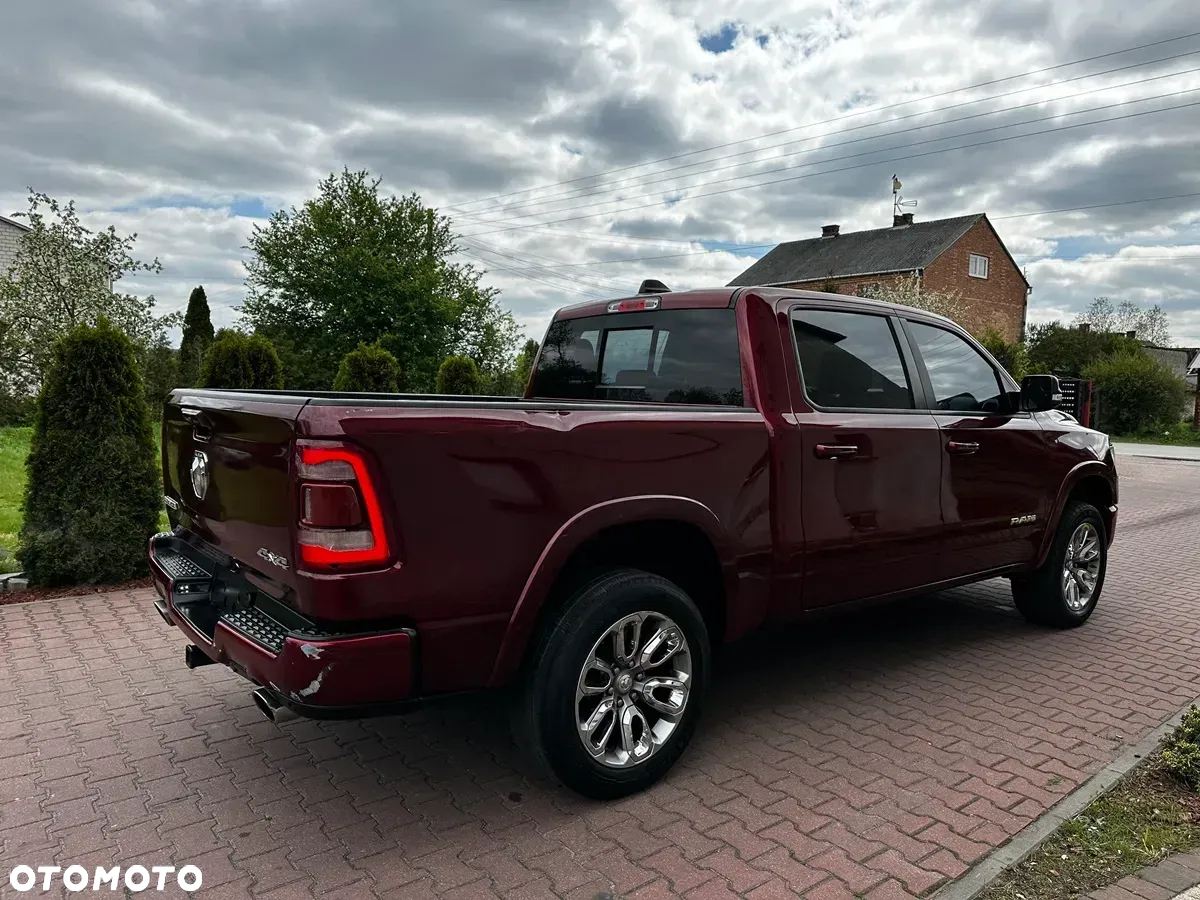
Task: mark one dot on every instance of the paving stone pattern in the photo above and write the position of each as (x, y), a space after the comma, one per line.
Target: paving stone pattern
(1163, 881)
(874, 756)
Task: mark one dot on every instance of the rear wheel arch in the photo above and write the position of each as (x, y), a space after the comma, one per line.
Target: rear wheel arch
(673, 537)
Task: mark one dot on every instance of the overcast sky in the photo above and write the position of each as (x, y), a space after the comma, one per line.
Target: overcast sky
(187, 122)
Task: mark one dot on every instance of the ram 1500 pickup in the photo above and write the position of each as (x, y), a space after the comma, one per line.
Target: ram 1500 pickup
(683, 469)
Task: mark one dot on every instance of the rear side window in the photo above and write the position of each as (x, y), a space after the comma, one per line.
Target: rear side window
(850, 360)
(663, 356)
(963, 381)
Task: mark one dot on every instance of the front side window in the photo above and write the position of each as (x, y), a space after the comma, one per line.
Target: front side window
(850, 360)
(661, 356)
(963, 381)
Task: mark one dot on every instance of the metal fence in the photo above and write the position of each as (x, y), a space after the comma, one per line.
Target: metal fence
(1077, 399)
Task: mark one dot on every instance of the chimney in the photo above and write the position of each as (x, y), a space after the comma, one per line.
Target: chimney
(1085, 326)
(830, 230)
(901, 220)
(1131, 334)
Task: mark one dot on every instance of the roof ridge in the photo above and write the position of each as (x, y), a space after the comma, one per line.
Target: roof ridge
(975, 216)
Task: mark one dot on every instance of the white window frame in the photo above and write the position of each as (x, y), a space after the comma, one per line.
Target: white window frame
(972, 265)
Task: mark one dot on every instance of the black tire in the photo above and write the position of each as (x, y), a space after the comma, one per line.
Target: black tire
(545, 721)
(1041, 597)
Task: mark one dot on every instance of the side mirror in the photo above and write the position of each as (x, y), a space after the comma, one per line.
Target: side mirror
(1040, 393)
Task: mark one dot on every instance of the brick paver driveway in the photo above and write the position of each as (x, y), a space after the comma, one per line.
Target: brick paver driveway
(873, 756)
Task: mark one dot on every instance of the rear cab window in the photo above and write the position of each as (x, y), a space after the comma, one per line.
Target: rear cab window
(660, 356)
(850, 360)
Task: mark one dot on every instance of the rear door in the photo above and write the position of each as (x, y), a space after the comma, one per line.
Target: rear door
(997, 484)
(226, 468)
(869, 455)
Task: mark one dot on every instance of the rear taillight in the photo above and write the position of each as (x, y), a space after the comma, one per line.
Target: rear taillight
(341, 520)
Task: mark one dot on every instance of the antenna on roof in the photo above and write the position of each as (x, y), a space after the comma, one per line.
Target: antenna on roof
(651, 286)
(899, 202)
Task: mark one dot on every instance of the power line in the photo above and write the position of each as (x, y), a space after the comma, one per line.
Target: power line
(920, 143)
(514, 255)
(993, 218)
(609, 187)
(571, 285)
(854, 167)
(828, 121)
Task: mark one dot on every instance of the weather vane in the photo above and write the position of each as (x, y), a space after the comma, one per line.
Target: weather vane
(899, 202)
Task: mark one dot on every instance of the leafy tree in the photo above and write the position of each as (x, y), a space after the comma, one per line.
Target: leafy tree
(906, 290)
(241, 362)
(525, 360)
(351, 266)
(1149, 323)
(63, 276)
(1068, 351)
(1137, 393)
(1010, 354)
(458, 375)
(369, 368)
(90, 505)
(197, 336)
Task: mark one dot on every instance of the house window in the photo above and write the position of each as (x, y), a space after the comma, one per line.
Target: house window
(979, 266)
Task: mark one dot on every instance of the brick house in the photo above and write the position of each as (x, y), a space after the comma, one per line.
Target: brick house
(11, 233)
(963, 255)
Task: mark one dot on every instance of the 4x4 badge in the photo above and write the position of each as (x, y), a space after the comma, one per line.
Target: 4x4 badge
(273, 558)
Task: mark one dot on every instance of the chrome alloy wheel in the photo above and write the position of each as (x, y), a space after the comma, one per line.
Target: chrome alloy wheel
(633, 689)
(1081, 567)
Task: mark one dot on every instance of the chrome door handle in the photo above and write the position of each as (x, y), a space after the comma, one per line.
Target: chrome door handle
(835, 451)
(961, 448)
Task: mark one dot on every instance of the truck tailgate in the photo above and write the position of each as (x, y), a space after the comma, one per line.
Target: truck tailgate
(226, 465)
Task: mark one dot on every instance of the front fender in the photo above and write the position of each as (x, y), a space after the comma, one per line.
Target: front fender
(574, 533)
(1087, 469)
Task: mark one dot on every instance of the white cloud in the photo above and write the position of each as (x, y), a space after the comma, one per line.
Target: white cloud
(168, 118)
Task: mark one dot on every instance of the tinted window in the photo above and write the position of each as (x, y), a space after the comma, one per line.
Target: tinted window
(665, 356)
(963, 380)
(850, 360)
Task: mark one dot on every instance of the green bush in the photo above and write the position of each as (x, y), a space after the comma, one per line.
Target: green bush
(1010, 354)
(1056, 350)
(94, 490)
(1181, 754)
(160, 374)
(1136, 393)
(241, 362)
(458, 375)
(266, 371)
(15, 410)
(370, 368)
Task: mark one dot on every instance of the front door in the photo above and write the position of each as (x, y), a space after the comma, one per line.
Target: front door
(996, 489)
(870, 459)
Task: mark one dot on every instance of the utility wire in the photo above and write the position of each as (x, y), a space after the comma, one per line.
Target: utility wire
(851, 168)
(992, 218)
(609, 187)
(905, 146)
(759, 137)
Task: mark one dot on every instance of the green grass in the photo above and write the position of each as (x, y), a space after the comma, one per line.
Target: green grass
(14, 447)
(1146, 817)
(1178, 435)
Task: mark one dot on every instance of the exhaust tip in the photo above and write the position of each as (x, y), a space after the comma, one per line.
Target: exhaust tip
(266, 703)
(269, 705)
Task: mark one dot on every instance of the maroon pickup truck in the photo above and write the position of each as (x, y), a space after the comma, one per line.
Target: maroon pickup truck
(684, 468)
